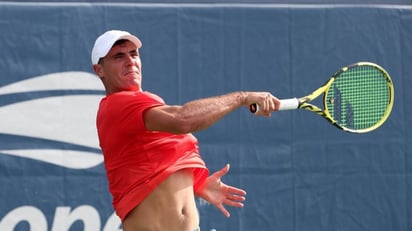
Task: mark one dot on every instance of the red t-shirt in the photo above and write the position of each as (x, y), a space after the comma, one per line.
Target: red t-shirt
(138, 160)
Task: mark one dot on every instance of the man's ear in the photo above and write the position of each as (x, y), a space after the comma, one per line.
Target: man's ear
(98, 70)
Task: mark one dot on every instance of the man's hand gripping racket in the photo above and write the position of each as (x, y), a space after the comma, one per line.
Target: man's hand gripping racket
(358, 98)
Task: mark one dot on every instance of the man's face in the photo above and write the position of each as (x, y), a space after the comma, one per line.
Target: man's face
(120, 69)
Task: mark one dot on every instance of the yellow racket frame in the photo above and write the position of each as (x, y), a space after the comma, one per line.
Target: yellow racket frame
(304, 101)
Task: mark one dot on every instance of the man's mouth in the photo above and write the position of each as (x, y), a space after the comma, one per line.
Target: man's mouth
(132, 73)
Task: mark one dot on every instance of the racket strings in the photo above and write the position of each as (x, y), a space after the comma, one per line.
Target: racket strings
(358, 98)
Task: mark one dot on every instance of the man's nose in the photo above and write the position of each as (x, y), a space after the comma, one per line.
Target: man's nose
(130, 60)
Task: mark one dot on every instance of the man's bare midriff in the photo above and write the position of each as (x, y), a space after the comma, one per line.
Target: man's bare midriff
(170, 207)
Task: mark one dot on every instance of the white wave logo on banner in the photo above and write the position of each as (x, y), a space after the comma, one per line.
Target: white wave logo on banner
(67, 118)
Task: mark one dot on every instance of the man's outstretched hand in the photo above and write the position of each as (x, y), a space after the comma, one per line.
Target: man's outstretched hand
(214, 191)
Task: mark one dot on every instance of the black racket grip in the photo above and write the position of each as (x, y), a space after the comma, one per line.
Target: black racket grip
(253, 108)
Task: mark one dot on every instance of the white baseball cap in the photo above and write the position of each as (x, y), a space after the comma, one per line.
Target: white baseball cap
(105, 42)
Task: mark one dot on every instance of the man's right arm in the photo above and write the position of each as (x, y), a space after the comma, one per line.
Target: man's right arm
(199, 114)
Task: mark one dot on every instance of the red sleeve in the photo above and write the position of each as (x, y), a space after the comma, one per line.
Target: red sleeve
(121, 114)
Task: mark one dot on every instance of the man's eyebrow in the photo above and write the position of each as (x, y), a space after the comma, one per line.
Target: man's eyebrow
(119, 53)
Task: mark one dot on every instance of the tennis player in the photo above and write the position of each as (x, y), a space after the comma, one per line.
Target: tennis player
(152, 160)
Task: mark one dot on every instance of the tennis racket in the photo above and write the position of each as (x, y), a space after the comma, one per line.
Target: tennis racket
(358, 98)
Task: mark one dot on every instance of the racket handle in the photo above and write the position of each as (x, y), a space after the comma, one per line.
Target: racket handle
(288, 104)
(285, 104)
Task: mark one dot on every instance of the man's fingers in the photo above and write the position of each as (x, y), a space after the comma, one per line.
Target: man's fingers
(223, 210)
(236, 198)
(234, 190)
(222, 171)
